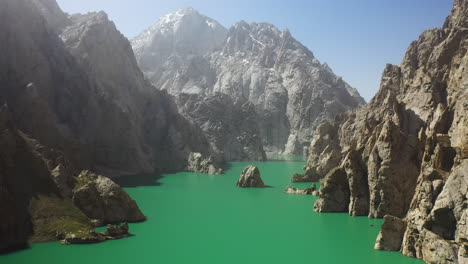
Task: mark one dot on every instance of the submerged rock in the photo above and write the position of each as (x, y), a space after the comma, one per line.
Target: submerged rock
(196, 163)
(117, 231)
(293, 190)
(92, 237)
(250, 178)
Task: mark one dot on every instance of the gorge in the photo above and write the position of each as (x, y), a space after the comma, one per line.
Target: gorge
(97, 130)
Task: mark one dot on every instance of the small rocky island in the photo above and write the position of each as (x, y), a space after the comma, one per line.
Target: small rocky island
(250, 178)
(310, 191)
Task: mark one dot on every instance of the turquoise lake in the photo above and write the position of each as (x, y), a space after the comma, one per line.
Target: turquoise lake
(199, 218)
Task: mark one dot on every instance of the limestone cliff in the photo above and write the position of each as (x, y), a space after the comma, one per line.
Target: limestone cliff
(405, 153)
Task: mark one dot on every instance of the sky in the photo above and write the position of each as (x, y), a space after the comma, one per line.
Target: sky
(357, 38)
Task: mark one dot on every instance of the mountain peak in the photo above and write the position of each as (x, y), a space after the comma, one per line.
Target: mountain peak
(186, 11)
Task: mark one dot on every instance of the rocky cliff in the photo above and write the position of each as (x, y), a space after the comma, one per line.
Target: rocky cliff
(76, 100)
(290, 90)
(62, 83)
(41, 194)
(405, 153)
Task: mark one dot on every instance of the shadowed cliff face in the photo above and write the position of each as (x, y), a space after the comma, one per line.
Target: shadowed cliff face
(75, 86)
(75, 99)
(405, 153)
(291, 91)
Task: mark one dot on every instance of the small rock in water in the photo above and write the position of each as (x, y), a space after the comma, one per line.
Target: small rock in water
(250, 178)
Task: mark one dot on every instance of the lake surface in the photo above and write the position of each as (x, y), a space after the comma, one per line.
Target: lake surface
(199, 218)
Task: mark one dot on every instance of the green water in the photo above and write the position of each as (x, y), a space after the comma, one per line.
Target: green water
(198, 218)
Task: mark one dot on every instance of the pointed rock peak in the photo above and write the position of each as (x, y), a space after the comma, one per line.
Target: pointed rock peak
(188, 15)
(286, 33)
(242, 24)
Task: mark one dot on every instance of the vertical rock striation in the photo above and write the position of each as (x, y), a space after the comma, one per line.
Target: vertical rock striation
(405, 153)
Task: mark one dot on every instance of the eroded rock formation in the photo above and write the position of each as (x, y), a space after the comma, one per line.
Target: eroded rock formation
(405, 153)
(250, 178)
(196, 163)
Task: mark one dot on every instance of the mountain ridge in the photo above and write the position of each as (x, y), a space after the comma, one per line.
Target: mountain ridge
(291, 90)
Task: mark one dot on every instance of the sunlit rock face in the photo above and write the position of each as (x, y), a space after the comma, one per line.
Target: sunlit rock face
(291, 91)
(405, 153)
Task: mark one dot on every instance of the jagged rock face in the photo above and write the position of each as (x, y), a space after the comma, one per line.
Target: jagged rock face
(405, 152)
(334, 194)
(291, 91)
(100, 198)
(250, 178)
(196, 163)
(230, 126)
(391, 234)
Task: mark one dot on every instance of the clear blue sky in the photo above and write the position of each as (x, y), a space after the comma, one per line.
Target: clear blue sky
(355, 37)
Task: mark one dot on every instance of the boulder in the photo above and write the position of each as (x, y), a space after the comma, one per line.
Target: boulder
(293, 190)
(250, 178)
(196, 163)
(101, 198)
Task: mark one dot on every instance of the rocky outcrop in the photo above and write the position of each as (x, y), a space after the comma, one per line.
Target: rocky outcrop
(250, 178)
(37, 190)
(102, 199)
(92, 237)
(290, 90)
(405, 153)
(304, 177)
(293, 190)
(391, 234)
(334, 193)
(196, 163)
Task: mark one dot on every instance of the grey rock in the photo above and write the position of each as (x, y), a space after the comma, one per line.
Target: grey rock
(292, 92)
(293, 190)
(229, 125)
(250, 178)
(196, 163)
